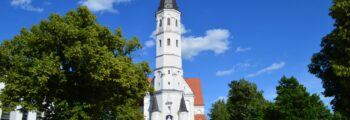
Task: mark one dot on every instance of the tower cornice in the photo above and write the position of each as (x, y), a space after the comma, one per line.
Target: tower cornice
(173, 10)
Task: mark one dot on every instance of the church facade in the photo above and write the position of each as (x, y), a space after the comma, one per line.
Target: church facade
(175, 97)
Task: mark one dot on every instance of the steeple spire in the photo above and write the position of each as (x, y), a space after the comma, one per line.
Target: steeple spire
(155, 107)
(183, 107)
(168, 4)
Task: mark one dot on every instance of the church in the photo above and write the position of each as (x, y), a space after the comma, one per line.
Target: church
(174, 97)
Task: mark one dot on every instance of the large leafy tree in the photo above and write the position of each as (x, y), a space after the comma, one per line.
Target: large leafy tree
(245, 102)
(293, 102)
(332, 63)
(271, 112)
(71, 67)
(219, 111)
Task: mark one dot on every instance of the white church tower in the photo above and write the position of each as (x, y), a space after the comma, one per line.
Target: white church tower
(173, 98)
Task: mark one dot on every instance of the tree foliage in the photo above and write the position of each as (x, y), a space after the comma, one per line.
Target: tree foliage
(332, 63)
(219, 111)
(71, 67)
(245, 102)
(293, 102)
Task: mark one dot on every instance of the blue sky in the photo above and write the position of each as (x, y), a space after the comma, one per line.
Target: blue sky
(260, 40)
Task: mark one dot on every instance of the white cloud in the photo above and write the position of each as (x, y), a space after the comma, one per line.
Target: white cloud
(240, 49)
(225, 72)
(150, 43)
(244, 65)
(26, 5)
(102, 5)
(237, 67)
(216, 40)
(184, 30)
(273, 67)
(153, 35)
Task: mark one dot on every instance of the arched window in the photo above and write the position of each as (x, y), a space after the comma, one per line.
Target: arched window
(177, 43)
(160, 73)
(168, 71)
(169, 117)
(176, 23)
(169, 21)
(160, 23)
(160, 43)
(168, 42)
(25, 115)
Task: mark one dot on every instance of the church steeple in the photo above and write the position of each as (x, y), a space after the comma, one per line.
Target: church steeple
(168, 4)
(173, 97)
(168, 39)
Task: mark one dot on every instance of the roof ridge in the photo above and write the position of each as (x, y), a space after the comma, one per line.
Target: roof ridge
(195, 86)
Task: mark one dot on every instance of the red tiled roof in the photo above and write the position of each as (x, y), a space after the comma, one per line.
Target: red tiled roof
(195, 85)
(150, 80)
(199, 117)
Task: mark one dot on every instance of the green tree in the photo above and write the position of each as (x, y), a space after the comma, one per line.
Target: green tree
(293, 102)
(245, 102)
(71, 67)
(338, 116)
(271, 112)
(219, 111)
(332, 63)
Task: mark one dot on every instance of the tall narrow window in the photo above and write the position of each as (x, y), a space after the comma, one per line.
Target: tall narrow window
(177, 43)
(160, 43)
(25, 115)
(169, 21)
(160, 23)
(168, 42)
(176, 23)
(168, 71)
